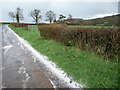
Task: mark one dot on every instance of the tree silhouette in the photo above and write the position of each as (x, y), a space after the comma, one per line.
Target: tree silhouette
(16, 15)
(12, 15)
(19, 15)
(35, 14)
(62, 18)
(51, 16)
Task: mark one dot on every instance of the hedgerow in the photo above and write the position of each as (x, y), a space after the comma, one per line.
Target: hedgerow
(104, 41)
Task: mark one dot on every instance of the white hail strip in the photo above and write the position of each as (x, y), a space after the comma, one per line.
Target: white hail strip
(6, 48)
(34, 59)
(3, 86)
(22, 47)
(22, 71)
(22, 62)
(12, 41)
(54, 86)
(3, 68)
(25, 52)
(49, 64)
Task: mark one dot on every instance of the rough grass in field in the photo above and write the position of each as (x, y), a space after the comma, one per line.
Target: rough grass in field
(105, 41)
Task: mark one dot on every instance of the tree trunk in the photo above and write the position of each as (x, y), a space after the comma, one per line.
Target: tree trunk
(17, 18)
(50, 21)
(36, 21)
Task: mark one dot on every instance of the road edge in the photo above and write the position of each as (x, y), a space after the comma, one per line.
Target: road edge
(1, 58)
(43, 59)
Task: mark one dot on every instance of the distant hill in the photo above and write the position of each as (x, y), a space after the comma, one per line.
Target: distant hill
(109, 20)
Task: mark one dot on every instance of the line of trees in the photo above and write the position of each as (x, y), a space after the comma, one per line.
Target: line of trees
(35, 15)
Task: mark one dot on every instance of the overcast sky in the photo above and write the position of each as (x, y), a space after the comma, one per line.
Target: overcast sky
(78, 9)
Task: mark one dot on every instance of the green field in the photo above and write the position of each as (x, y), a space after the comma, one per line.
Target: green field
(89, 26)
(84, 67)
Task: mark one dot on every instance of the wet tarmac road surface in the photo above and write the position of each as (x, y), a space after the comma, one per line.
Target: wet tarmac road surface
(24, 67)
(18, 67)
(0, 57)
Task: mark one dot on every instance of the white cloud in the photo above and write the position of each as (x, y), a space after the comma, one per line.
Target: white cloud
(100, 16)
(77, 9)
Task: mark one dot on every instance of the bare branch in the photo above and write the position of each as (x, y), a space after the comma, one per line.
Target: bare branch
(35, 14)
(51, 16)
(16, 15)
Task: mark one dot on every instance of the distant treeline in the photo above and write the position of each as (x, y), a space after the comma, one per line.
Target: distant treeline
(107, 21)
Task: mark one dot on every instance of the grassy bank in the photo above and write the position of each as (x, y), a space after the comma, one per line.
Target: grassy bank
(86, 67)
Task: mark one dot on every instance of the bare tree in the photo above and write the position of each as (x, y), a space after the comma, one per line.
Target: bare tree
(35, 14)
(16, 15)
(51, 16)
(12, 15)
(19, 15)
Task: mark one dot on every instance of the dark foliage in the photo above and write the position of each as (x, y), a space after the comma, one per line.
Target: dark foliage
(105, 41)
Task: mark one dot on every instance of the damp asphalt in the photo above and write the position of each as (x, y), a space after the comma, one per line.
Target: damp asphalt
(18, 67)
(21, 69)
(0, 57)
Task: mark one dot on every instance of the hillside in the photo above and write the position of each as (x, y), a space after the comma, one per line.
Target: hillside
(110, 20)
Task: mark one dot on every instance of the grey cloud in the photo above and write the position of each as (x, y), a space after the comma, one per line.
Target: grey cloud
(77, 9)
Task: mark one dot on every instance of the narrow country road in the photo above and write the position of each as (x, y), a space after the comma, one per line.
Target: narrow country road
(23, 67)
(18, 67)
(0, 57)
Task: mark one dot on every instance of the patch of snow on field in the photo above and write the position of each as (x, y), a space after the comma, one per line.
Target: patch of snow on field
(49, 64)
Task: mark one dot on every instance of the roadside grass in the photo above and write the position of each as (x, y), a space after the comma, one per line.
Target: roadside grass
(89, 26)
(84, 67)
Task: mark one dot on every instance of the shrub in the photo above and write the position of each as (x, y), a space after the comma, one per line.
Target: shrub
(51, 31)
(104, 41)
(20, 25)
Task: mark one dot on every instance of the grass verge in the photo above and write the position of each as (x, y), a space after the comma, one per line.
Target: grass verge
(86, 67)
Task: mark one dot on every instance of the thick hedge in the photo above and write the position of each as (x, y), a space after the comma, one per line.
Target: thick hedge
(20, 25)
(105, 41)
